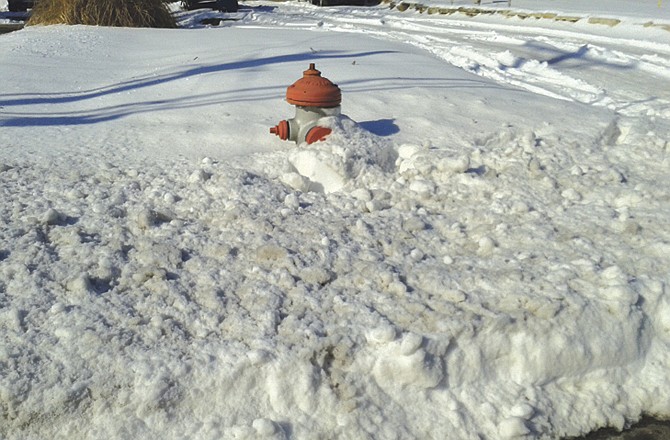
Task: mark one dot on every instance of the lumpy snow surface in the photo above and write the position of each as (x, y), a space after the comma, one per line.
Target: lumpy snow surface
(476, 251)
(505, 290)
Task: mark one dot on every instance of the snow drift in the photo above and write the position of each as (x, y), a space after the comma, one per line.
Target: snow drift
(169, 270)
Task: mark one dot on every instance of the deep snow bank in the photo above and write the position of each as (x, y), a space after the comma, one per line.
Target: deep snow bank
(517, 287)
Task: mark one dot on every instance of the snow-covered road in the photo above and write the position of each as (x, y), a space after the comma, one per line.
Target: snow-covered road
(586, 62)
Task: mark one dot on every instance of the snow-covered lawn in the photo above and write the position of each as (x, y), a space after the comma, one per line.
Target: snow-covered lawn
(480, 249)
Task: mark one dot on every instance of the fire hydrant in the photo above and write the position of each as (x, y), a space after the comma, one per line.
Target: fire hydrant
(314, 97)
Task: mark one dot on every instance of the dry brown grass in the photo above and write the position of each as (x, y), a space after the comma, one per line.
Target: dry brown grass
(123, 13)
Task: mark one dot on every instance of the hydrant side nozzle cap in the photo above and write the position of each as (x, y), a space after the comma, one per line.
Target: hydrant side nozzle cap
(316, 134)
(313, 90)
(282, 130)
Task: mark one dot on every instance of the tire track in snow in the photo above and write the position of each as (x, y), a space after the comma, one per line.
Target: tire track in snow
(570, 68)
(594, 69)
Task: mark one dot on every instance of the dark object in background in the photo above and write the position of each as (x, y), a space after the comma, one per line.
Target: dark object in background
(345, 2)
(20, 5)
(219, 5)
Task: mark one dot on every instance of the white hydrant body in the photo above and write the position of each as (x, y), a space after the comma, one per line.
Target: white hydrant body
(307, 118)
(315, 97)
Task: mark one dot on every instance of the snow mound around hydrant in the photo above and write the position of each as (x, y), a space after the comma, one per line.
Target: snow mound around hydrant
(344, 160)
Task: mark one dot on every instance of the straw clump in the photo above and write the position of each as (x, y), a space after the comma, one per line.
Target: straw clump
(121, 13)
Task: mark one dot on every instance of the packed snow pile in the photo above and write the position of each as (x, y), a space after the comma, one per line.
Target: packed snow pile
(463, 257)
(349, 157)
(502, 291)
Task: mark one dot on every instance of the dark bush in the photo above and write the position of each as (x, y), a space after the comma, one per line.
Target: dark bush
(123, 13)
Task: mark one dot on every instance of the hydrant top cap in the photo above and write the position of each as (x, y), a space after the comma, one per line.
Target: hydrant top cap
(313, 90)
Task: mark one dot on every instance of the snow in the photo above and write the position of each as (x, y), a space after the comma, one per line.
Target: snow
(621, 9)
(480, 249)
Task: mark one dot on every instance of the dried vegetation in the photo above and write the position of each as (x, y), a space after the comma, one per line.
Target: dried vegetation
(123, 13)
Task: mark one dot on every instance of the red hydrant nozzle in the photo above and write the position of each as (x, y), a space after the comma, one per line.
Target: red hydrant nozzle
(317, 134)
(281, 130)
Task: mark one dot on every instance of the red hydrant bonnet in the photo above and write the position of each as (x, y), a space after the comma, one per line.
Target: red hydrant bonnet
(313, 90)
